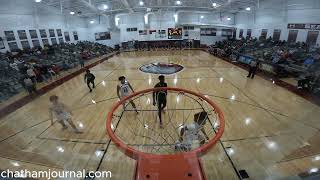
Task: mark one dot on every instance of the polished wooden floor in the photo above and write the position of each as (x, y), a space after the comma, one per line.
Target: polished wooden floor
(270, 132)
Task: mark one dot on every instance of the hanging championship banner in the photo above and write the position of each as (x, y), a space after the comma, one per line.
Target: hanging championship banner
(304, 26)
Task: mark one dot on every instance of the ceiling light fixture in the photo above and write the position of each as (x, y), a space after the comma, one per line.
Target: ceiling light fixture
(175, 18)
(228, 19)
(248, 8)
(201, 17)
(141, 3)
(117, 21)
(214, 5)
(146, 21)
(92, 21)
(72, 13)
(38, 1)
(105, 6)
(178, 2)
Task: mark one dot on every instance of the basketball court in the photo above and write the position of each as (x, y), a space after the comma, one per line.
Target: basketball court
(269, 133)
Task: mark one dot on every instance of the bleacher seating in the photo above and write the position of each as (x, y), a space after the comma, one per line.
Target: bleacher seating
(277, 57)
(13, 66)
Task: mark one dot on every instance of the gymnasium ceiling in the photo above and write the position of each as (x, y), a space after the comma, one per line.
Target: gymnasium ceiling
(87, 8)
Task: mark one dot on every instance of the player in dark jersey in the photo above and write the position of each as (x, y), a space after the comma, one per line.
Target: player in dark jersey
(160, 97)
(89, 78)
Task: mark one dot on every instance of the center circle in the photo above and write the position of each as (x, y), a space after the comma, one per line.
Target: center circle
(161, 68)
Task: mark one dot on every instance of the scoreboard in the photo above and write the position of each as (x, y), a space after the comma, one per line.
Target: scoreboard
(174, 33)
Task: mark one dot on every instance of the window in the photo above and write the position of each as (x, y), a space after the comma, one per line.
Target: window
(312, 37)
(59, 32)
(61, 41)
(292, 37)
(10, 35)
(51, 32)
(22, 34)
(25, 44)
(43, 33)
(53, 41)
(33, 34)
(13, 46)
(45, 42)
(263, 35)
(36, 43)
(66, 36)
(241, 33)
(249, 31)
(75, 35)
(276, 34)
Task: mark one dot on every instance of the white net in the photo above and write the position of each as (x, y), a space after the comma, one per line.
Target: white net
(188, 122)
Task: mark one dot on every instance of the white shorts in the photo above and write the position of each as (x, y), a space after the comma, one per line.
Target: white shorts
(189, 143)
(124, 95)
(65, 116)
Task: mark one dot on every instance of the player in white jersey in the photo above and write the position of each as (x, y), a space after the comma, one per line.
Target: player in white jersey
(62, 113)
(124, 89)
(190, 135)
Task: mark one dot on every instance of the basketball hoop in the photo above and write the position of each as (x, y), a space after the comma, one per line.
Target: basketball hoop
(141, 138)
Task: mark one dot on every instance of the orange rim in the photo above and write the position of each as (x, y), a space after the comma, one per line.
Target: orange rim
(137, 154)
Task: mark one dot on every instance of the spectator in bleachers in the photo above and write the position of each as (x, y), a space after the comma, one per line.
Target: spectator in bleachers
(304, 80)
(31, 74)
(14, 65)
(45, 73)
(51, 72)
(56, 69)
(81, 61)
(29, 85)
(62, 56)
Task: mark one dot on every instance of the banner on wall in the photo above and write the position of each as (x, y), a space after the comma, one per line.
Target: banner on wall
(208, 31)
(143, 32)
(174, 33)
(161, 34)
(304, 26)
(102, 36)
(245, 59)
(226, 32)
(152, 31)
